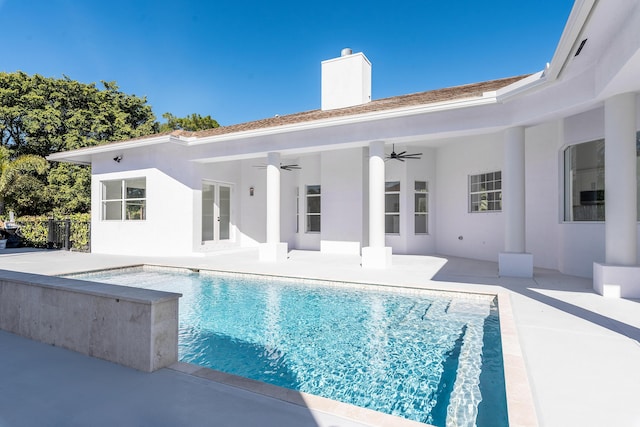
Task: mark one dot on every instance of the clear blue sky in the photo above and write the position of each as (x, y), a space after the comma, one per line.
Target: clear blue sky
(242, 60)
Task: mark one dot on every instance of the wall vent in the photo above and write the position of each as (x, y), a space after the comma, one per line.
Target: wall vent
(580, 47)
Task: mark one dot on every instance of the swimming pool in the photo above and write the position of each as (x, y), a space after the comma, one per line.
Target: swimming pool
(426, 357)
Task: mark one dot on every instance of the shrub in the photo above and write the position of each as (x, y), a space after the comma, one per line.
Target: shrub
(34, 231)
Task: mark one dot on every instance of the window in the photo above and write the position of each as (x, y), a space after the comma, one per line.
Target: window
(421, 207)
(297, 210)
(584, 177)
(485, 192)
(124, 199)
(313, 208)
(392, 207)
(584, 181)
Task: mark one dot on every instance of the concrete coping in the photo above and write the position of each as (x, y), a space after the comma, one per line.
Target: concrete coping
(70, 284)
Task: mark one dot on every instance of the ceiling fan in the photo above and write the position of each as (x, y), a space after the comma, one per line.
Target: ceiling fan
(402, 155)
(288, 168)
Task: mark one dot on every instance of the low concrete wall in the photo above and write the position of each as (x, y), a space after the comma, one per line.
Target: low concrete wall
(130, 326)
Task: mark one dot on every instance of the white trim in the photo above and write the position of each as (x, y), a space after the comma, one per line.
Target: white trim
(486, 99)
(578, 18)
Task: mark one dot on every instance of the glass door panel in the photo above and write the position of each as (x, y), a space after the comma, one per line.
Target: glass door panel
(224, 212)
(208, 197)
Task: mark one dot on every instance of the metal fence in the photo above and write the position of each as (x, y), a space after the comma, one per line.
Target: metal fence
(66, 234)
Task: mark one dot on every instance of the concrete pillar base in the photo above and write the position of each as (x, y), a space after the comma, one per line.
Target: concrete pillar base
(273, 252)
(513, 264)
(376, 257)
(616, 281)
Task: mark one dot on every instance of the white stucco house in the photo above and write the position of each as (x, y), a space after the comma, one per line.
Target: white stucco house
(538, 170)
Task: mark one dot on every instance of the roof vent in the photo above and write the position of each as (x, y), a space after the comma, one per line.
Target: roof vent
(580, 47)
(346, 51)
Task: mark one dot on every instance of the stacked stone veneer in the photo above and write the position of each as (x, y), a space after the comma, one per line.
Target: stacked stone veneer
(130, 326)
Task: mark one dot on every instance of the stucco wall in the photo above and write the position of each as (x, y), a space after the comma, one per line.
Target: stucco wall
(168, 224)
(542, 188)
(482, 234)
(342, 199)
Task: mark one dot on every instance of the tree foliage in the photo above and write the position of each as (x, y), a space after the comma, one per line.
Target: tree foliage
(192, 123)
(19, 179)
(41, 115)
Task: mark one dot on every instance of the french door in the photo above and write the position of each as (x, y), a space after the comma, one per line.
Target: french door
(216, 212)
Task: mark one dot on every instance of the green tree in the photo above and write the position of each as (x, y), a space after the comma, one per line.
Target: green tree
(18, 177)
(69, 189)
(192, 123)
(41, 115)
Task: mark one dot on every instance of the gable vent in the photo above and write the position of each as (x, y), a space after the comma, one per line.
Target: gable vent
(580, 47)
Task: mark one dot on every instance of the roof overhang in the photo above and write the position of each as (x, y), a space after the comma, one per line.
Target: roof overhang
(83, 156)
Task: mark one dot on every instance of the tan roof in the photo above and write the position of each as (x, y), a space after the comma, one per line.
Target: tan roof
(415, 99)
(421, 98)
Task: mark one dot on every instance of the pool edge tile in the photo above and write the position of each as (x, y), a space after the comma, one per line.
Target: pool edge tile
(309, 401)
(520, 404)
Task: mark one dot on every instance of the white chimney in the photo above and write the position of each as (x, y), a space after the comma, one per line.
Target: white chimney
(346, 81)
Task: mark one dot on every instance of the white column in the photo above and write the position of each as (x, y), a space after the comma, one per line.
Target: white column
(376, 255)
(513, 198)
(273, 250)
(620, 174)
(273, 197)
(619, 276)
(514, 261)
(376, 194)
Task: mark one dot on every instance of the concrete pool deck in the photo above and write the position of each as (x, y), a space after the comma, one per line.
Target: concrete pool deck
(581, 350)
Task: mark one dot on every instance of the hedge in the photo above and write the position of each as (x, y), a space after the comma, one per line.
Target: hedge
(34, 231)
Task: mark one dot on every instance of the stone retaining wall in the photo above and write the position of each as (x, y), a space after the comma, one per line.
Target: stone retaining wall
(130, 326)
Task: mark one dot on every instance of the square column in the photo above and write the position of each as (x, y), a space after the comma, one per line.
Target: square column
(273, 250)
(376, 255)
(619, 275)
(514, 262)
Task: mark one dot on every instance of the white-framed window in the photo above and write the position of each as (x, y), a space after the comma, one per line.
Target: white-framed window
(297, 209)
(584, 181)
(392, 207)
(485, 192)
(421, 207)
(584, 177)
(124, 199)
(313, 208)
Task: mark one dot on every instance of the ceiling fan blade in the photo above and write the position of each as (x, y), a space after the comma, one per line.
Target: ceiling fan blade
(290, 167)
(400, 154)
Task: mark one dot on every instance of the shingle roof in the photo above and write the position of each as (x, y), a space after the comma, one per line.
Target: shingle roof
(415, 99)
(395, 102)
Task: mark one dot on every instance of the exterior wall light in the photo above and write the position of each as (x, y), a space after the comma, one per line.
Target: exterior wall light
(251, 191)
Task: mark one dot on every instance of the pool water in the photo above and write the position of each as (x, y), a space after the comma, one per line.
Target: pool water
(431, 359)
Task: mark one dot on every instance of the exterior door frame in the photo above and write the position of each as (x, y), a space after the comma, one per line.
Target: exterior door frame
(219, 216)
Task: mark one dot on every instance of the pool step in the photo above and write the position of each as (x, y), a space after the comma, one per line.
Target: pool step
(470, 307)
(466, 396)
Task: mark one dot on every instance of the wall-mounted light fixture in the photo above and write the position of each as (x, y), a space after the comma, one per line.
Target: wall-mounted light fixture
(251, 191)
(117, 159)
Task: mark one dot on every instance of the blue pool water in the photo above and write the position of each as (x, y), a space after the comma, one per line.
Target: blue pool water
(427, 358)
